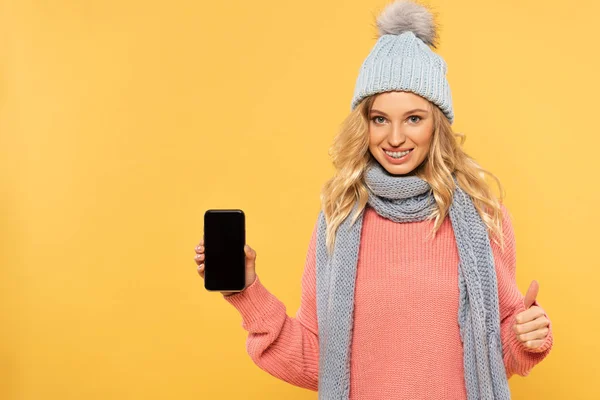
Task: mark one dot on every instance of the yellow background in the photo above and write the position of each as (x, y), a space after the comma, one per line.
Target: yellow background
(123, 121)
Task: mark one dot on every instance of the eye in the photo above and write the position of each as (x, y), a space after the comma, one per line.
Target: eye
(374, 119)
(415, 116)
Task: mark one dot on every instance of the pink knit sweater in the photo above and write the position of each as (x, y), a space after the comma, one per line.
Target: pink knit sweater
(406, 340)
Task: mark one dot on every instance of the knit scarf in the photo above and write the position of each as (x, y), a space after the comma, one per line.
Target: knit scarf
(407, 199)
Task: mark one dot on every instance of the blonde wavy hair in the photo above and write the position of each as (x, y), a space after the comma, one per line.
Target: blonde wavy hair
(351, 157)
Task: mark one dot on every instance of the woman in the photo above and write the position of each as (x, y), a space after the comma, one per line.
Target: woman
(431, 308)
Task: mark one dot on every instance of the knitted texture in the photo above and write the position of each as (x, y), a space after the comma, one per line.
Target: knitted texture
(406, 342)
(409, 199)
(402, 59)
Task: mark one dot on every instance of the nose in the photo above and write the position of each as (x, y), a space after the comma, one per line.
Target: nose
(397, 136)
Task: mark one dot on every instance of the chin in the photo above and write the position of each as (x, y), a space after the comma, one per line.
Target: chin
(398, 169)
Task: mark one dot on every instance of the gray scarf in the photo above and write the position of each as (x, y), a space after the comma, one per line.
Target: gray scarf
(407, 199)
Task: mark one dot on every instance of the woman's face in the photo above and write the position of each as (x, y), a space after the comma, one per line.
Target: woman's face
(400, 121)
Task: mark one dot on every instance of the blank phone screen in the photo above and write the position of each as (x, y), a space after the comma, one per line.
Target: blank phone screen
(224, 257)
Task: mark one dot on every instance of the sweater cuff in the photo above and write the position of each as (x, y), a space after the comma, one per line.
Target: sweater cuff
(254, 302)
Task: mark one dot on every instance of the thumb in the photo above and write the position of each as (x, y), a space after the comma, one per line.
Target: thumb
(250, 257)
(531, 294)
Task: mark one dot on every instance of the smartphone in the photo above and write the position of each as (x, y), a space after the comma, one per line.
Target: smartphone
(224, 256)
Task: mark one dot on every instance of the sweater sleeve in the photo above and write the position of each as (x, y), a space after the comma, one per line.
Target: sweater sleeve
(518, 358)
(285, 347)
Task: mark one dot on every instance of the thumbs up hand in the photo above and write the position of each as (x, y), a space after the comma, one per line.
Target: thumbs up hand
(532, 325)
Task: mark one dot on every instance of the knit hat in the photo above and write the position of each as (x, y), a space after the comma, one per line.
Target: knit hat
(402, 59)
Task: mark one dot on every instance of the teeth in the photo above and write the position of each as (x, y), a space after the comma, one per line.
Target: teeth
(396, 154)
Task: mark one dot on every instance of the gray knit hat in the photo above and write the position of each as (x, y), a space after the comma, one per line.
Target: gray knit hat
(403, 60)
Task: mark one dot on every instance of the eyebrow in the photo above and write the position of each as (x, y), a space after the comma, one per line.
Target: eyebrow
(406, 113)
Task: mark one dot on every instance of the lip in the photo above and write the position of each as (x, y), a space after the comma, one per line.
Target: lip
(397, 160)
(398, 150)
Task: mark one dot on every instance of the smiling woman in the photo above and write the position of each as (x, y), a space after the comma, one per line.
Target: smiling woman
(400, 131)
(382, 126)
(390, 299)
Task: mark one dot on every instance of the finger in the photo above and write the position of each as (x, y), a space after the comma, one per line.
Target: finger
(538, 323)
(200, 270)
(531, 294)
(533, 344)
(537, 334)
(199, 258)
(249, 251)
(199, 249)
(251, 256)
(530, 314)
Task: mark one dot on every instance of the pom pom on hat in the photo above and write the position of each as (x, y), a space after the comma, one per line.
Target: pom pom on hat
(404, 15)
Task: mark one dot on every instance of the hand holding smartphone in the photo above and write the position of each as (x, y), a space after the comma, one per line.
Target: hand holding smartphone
(224, 261)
